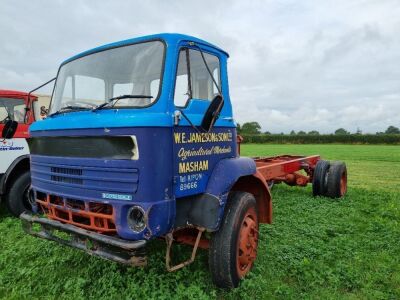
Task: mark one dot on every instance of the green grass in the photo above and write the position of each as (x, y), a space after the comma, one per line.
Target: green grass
(316, 247)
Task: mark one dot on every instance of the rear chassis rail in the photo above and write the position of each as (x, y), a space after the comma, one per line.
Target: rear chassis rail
(285, 168)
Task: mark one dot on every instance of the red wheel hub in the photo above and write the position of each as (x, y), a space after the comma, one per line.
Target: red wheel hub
(247, 243)
(343, 184)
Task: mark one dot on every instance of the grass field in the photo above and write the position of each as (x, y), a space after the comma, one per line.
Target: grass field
(316, 247)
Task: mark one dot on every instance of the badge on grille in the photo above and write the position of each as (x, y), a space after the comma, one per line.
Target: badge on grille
(116, 196)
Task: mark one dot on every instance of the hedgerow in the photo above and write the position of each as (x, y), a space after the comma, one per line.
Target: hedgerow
(393, 139)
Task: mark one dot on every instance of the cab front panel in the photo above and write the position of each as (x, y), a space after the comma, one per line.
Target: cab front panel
(92, 178)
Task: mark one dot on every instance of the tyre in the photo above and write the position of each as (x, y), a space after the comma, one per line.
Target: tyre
(233, 248)
(337, 180)
(17, 199)
(319, 184)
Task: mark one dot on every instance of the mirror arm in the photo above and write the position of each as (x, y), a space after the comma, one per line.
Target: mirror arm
(190, 122)
(27, 108)
(221, 104)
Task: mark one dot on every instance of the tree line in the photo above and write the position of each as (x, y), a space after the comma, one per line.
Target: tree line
(254, 128)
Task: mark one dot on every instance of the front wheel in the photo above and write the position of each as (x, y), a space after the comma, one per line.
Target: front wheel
(17, 200)
(233, 248)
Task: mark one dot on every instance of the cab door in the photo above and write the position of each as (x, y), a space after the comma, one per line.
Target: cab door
(196, 152)
(13, 108)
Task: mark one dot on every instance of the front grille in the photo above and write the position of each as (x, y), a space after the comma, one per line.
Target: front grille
(89, 215)
(89, 178)
(66, 179)
(67, 171)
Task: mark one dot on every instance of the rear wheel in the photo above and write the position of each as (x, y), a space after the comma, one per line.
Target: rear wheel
(319, 184)
(337, 180)
(233, 248)
(17, 200)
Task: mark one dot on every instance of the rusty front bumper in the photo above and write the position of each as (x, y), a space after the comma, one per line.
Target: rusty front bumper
(130, 253)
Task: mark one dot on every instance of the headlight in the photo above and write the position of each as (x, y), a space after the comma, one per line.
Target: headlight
(136, 219)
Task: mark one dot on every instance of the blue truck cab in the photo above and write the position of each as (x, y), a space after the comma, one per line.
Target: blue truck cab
(124, 156)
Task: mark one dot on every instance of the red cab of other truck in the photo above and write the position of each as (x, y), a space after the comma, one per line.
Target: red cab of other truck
(14, 151)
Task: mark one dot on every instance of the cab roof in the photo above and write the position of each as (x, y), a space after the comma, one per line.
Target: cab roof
(169, 38)
(14, 93)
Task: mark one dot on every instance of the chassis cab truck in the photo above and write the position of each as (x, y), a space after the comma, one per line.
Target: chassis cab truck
(15, 180)
(140, 143)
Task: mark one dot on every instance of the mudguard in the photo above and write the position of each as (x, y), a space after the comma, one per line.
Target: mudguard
(227, 172)
(207, 209)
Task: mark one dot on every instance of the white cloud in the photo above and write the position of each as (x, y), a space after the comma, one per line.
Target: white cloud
(299, 65)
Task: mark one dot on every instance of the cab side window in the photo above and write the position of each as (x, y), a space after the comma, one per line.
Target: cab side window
(182, 91)
(193, 81)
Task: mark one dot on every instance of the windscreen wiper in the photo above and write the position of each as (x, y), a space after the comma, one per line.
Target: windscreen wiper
(116, 99)
(67, 108)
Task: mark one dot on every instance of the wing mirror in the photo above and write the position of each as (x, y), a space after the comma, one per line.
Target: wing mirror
(9, 129)
(212, 113)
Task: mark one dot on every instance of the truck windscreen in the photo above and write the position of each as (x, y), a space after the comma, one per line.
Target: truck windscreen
(91, 80)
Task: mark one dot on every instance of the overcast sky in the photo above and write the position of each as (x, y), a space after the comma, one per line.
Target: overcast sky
(299, 65)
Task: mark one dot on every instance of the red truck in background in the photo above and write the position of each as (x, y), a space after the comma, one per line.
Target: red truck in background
(14, 152)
